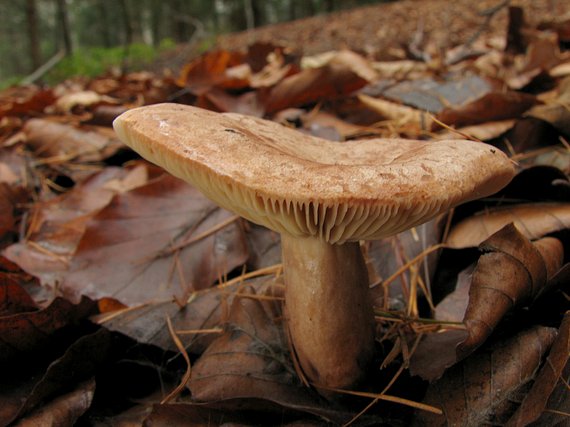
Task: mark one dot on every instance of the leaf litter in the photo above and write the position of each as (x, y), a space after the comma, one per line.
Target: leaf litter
(134, 275)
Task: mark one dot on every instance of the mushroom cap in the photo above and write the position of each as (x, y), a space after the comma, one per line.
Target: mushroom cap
(306, 186)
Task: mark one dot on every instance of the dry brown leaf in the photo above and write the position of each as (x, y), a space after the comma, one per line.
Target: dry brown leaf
(25, 101)
(250, 366)
(64, 410)
(512, 272)
(532, 220)
(483, 131)
(553, 377)
(13, 297)
(315, 120)
(251, 359)
(62, 143)
(24, 390)
(491, 107)
(197, 323)
(556, 112)
(401, 115)
(344, 73)
(56, 225)
(213, 69)
(470, 392)
(165, 240)
(249, 103)
(27, 331)
(70, 101)
(435, 94)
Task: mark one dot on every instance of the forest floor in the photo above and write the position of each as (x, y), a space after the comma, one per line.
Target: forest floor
(379, 30)
(128, 298)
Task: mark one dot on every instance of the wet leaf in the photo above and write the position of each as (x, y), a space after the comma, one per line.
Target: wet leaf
(164, 242)
(469, 393)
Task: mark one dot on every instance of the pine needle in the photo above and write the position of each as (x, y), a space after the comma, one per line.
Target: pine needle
(178, 389)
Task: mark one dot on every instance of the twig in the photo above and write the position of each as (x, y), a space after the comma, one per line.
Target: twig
(52, 62)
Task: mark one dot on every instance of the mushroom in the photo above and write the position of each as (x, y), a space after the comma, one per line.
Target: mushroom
(323, 198)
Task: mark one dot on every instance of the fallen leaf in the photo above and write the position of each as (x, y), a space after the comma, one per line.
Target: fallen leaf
(552, 378)
(484, 131)
(63, 410)
(534, 220)
(67, 103)
(28, 331)
(512, 272)
(556, 112)
(318, 119)
(13, 297)
(25, 388)
(251, 358)
(213, 69)
(198, 322)
(250, 366)
(62, 143)
(25, 101)
(57, 225)
(12, 198)
(402, 115)
(249, 103)
(469, 393)
(490, 107)
(344, 73)
(165, 239)
(435, 95)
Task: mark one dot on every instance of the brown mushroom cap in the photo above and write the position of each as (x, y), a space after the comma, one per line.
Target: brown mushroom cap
(306, 186)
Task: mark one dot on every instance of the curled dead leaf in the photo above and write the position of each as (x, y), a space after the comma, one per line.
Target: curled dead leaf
(512, 272)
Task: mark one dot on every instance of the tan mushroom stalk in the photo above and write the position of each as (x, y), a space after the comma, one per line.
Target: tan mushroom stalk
(323, 197)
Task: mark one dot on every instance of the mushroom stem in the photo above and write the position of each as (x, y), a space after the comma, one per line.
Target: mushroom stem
(329, 314)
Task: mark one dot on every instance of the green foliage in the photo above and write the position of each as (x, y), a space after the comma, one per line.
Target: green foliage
(94, 61)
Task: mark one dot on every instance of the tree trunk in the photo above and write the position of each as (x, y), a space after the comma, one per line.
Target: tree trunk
(249, 15)
(258, 9)
(155, 21)
(127, 24)
(32, 20)
(63, 18)
(104, 17)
